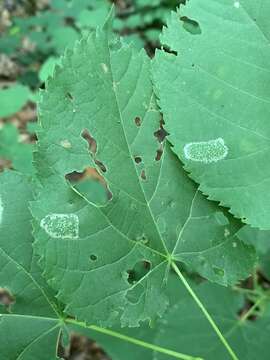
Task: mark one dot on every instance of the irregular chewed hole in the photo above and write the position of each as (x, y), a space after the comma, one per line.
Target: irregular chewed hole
(137, 159)
(69, 96)
(91, 141)
(101, 166)
(169, 50)
(138, 121)
(159, 154)
(61, 226)
(143, 175)
(161, 133)
(93, 257)
(90, 184)
(192, 26)
(6, 298)
(140, 269)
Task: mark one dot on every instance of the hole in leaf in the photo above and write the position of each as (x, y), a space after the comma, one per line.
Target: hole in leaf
(93, 257)
(6, 298)
(90, 184)
(143, 175)
(138, 121)
(161, 133)
(191, 26)
(140, 269)
(91, 141)
(159, 154)
(101, 166)
(138, 159)
(168, 50)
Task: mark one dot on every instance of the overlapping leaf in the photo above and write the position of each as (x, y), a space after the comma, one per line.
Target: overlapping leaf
(214, 94)
(111, 261)
(29, 322)
(184, 327)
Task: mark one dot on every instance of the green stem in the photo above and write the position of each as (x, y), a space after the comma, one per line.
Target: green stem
(205, 312)
(134, 341)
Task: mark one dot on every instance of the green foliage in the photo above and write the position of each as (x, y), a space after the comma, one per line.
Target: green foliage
(155, 216)
(13, 99)
(218, 84)
(106, 227)
(19, 153)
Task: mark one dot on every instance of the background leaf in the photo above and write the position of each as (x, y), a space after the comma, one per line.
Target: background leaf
(214, 94)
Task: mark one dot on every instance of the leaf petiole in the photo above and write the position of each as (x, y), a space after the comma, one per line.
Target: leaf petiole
(134, 341)
(205, 312)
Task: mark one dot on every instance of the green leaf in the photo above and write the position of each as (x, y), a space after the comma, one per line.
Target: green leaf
(29, 322)
(260, 239)
(13, 99)
(111, 261)
(19, 153)
(184, 327)
(47, 68)
(214, 94)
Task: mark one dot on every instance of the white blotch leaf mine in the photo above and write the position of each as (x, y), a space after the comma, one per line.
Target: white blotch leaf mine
(61, 226)
(206, 151)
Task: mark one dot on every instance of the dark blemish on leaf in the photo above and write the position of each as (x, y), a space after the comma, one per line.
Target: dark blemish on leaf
(91, 141)
(143, 175)
(138, 159)
(140, 270)
(159, 154)
(161, 133)
(101, 166)
(168, 50)
(6, 298)
(93, 257)
(69, 96)
(191, 26)
(192, 65)
(138, 121)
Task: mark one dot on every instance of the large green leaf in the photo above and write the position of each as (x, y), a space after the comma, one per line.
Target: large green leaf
(29, 322)
(112, 261)
(214, 94)
(184, 327)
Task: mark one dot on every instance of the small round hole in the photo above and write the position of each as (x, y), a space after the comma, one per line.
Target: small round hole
(93, 257)
(138, 159)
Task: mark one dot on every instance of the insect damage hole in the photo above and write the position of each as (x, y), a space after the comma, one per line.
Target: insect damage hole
(93, 257)
(191, 26)
(137, 159)
(206, 151)
(6, 299)
(138, 121)
(61, 226)
(143, 175)
(139, 271)
(92, 144)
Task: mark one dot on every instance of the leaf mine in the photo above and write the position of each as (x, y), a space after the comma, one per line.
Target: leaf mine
(206, 151)
(64, 226)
